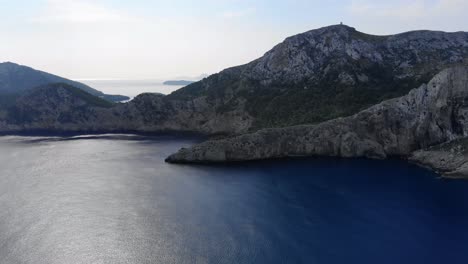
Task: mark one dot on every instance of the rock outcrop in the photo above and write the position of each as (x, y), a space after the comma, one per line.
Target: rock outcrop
(434, 113)
(450, 159)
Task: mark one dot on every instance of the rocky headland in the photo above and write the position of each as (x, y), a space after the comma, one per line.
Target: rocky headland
(432, 114)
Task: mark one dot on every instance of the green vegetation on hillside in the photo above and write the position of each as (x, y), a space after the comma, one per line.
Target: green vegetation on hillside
(16, 78)
(279, 105)
(87, 97)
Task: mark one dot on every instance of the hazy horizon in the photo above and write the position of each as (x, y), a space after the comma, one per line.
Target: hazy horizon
(159, 40)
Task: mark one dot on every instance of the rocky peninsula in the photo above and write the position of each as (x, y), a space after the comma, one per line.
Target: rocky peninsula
(432, 114)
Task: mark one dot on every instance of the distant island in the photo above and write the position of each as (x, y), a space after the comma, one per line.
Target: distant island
(178, 82)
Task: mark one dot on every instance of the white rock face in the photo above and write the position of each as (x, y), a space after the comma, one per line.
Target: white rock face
(302, 56)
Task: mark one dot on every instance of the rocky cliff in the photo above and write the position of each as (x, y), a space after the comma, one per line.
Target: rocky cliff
(431, 114)
(450, 159)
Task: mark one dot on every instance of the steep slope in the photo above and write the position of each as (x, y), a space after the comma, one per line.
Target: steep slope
(62, 107)
(57, 107)
(327, 73)
(153, 113)
(16, 79)
(431, 114)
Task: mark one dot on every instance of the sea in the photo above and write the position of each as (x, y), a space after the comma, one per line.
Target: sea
(113, 199)
(130, 88)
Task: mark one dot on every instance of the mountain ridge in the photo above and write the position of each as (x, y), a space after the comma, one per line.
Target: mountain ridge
(317, 74)
(16, 79)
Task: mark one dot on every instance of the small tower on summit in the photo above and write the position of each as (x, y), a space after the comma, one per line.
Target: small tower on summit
(341, 23)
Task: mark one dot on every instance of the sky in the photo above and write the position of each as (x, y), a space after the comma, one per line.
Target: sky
(142, 39)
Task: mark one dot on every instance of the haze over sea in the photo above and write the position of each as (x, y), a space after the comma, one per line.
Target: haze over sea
(130, 88)
(112, 199)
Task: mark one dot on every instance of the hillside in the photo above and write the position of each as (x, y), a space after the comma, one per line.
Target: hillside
(57, 107)
(327, 73)
(16, 79)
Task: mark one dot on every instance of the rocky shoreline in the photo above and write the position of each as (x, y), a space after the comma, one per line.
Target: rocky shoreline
(429, 115)
(449, 159)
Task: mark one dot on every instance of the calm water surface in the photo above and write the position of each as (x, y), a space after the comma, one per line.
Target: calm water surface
(112, 199)
(131, 88)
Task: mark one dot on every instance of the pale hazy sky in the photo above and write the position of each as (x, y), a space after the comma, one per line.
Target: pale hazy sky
(124, 39)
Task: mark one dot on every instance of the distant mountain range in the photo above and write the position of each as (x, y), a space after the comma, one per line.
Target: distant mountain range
(178, 82)
(16, 79)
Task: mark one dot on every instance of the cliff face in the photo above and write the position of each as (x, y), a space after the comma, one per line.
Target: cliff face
(431, 114)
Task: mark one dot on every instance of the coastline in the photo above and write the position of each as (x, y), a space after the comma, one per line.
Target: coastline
(202, 137)
(69, 133)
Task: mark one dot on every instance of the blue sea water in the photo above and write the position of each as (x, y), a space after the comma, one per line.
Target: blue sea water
(112, 199)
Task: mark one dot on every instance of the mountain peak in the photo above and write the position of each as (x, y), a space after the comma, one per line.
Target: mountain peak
(337, 27)
(9, 63)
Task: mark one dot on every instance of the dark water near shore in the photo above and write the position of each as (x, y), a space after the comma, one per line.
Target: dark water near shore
(112, 199)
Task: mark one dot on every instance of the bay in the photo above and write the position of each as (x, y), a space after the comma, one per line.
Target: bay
(112, 199)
